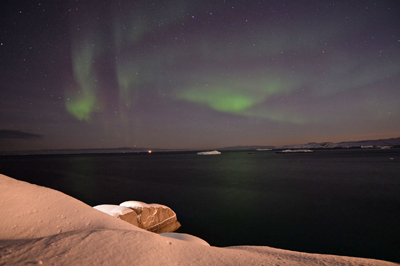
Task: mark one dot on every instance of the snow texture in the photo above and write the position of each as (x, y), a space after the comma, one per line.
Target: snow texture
(186, 237)
(113, 210)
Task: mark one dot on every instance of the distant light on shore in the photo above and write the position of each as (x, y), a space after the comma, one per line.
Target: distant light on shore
(149, 151)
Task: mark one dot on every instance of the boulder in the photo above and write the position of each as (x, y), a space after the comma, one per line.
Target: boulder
(156, 218)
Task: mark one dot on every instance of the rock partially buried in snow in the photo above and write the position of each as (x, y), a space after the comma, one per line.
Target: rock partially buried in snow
(120, 212)
(186, 237)
(156, 218)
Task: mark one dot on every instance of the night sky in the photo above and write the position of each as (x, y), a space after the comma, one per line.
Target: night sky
(197, 74)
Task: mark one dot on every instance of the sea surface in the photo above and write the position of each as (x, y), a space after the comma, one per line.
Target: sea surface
(343, 202)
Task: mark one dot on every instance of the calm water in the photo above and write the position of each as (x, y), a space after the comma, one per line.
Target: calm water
(344, 202)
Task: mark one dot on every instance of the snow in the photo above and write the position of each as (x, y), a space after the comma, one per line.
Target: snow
(42, 226)
(186, 237)
(113, 210)
(133, 204)
(209, 153)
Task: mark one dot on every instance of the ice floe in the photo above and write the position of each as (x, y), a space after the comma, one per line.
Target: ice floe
(209, 153)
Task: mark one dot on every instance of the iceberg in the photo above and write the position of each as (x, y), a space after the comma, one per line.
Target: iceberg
(209, 153)
(386, 147)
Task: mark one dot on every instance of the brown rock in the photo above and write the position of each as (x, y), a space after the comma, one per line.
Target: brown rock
(156, 218)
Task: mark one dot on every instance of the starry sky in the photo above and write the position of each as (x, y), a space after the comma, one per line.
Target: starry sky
(192, 74)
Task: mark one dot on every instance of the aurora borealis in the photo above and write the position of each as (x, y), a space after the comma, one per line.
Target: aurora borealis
(197, 74)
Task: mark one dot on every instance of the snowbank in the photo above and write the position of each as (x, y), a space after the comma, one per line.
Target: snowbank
(39, 225)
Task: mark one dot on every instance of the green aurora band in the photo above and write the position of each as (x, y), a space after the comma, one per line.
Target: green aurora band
(82, 104)
(239, 96)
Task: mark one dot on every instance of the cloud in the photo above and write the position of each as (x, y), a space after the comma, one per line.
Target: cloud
(15, 134)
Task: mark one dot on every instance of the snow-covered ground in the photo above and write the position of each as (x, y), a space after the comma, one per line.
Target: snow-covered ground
(42, 226)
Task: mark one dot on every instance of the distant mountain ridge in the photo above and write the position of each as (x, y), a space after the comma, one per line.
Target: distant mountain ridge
(346, 144)
(327, 145)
